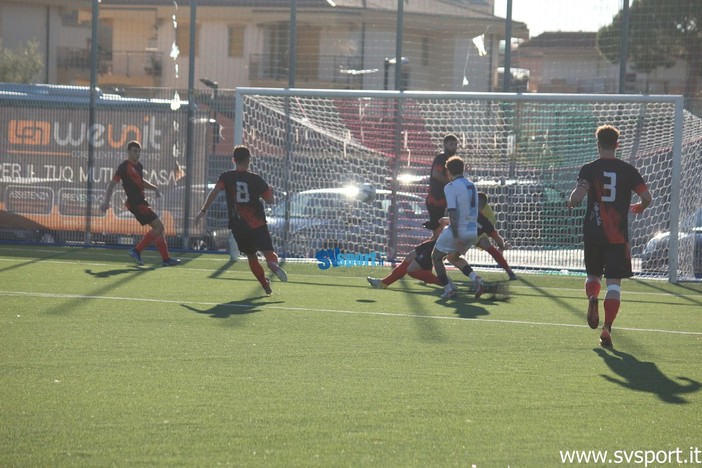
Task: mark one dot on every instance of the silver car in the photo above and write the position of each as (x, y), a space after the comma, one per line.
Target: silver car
(655, 254)
(336, 218)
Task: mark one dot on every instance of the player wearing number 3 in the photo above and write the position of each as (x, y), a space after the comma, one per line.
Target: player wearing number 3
(608, 183)
(247, 220)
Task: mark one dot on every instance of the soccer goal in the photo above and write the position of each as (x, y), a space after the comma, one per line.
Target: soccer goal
(523, 150)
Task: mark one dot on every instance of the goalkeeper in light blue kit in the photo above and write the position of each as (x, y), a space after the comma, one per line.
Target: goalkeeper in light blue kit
(462, 231)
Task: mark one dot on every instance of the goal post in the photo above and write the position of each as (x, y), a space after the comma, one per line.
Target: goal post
(523, 150)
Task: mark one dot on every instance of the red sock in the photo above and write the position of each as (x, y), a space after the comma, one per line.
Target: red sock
(272, 260)
(592, 288)
(426, 276)
(271, 257)
(145, 241)
(492, 250)
(398, 272)
(162, 247)
(611, 307)
(257, 270)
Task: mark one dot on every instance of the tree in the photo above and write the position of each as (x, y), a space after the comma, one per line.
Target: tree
(20, 65)
(660, 33)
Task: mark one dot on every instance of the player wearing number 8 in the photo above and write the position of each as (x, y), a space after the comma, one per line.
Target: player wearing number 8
(608, 183)
(247, 219)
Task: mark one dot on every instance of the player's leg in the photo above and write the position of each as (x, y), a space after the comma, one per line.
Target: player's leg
(594, 267)
(436, 212)
(462, 264)
(485, 244)
(592, 291)
(265, 245)
(272, 262)
(459, 262)
(422, 273)
(246, 241)
(611, 306)
(618, 266)
(146, 216)
(444, 245)
(162, 245)
(398, 272)
(437, 258)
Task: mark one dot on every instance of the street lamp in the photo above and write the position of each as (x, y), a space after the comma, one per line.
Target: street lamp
(209, 83)
(386, 68)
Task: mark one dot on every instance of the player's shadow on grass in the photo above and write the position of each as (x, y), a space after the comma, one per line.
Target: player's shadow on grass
(223, 268)
(646, 377)
(116, 272)
(227, 309)
(134, 275)
(464, 303)
(33, 260)
(681, 295)
(466, 307)
(560, 304)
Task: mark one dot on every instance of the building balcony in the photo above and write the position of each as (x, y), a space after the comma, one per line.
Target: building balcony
(335, 71)
(139, 68)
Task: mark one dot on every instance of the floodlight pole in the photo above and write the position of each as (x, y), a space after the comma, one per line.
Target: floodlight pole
(623, 46)
(292, 71)
(507, 74)
(392, 251)
(91, 119)
(190, 143)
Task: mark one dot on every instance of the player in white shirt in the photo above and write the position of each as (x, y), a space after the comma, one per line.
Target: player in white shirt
(462, 231)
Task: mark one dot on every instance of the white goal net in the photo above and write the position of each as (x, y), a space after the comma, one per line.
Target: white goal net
(316, 147)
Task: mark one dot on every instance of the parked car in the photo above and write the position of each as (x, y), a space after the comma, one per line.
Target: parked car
(211, 234)
(336, 217)
(655, 254)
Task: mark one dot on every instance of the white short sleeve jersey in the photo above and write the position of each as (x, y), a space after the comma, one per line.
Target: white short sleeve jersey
(462, 196)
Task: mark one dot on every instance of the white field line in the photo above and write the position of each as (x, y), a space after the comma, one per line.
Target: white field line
(245, 271)
(333, 311)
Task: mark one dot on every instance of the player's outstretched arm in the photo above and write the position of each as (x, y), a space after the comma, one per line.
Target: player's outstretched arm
(206, 206)
(151, 186)
(108, 195)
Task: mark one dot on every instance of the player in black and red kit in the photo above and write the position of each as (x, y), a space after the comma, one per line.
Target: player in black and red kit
(247, 220)
(131, 173)
(438, 178)
(418, 263)
(608, 183)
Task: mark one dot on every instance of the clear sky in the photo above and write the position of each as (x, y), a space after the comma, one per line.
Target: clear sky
(561, 15)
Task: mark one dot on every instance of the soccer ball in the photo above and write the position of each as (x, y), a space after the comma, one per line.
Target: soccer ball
(366, 193)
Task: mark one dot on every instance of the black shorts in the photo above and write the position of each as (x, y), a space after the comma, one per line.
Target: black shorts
(612, 260)
(143, 213)
(251, 241)
(436, 212)
(423, 255)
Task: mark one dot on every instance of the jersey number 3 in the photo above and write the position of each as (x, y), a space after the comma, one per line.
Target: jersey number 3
(610, 186)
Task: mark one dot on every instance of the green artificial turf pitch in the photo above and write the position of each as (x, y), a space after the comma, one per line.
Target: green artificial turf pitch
(106, 363)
